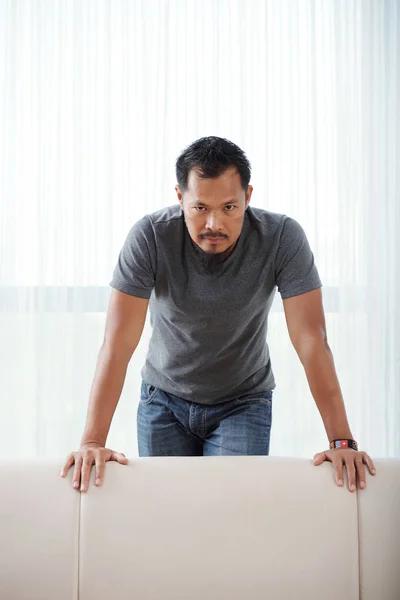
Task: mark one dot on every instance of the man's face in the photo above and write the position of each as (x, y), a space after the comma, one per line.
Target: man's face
(214, 211)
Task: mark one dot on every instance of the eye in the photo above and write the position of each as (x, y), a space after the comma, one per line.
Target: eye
(203, 208)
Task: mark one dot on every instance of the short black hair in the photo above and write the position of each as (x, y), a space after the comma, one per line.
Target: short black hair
(212, 156)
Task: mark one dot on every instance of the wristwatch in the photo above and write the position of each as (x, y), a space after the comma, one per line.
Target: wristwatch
(344, 444)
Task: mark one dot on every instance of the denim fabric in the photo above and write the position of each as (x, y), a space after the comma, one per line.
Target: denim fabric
(171, 426)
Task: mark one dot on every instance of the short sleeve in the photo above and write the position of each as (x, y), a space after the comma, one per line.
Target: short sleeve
(135, 270)
(295, 270)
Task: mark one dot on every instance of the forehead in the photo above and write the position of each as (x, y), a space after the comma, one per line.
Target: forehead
(228, 184)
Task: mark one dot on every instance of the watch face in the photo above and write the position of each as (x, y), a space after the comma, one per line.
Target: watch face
(344, 444)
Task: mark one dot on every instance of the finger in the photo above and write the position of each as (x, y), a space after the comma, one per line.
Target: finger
(319, 458)
(76, 478)
(86, 469)
(100, 468)
(361, 473)
(368, 461)
(338, 468)
(351, 474)
(119, 457)
(68, 464)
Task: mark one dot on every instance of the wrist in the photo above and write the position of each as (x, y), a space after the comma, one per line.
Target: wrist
(92, 443)
(343, 443)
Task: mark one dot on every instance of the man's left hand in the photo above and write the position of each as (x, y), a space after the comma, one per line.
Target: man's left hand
(354, 462)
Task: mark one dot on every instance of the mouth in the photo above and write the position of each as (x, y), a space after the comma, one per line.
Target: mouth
(215, 240)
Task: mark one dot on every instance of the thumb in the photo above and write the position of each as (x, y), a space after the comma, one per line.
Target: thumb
(119, 457)
(319, 458)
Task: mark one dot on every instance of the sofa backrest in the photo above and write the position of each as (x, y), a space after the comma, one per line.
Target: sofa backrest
(223, 528)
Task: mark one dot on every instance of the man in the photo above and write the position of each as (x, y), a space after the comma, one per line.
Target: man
(208, 268)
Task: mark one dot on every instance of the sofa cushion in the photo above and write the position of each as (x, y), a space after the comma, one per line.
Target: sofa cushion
(379, 533)
(39, 526)
(218, 528)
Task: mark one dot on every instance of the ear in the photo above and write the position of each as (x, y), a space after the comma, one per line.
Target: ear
(248, 195)
(179, 195)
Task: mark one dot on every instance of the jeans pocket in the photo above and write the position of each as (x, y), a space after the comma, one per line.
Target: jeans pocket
(147, 392)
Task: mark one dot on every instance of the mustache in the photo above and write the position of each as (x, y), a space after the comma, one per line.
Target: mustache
(212, 237)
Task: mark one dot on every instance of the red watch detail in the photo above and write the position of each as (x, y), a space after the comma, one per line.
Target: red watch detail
(344, 444)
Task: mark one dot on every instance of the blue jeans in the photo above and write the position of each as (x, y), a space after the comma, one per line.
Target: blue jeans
(171, 426)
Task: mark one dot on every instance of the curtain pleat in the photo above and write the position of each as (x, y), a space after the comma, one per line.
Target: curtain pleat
(98, 98)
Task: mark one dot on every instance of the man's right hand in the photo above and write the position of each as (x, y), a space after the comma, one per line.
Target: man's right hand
(87, 455)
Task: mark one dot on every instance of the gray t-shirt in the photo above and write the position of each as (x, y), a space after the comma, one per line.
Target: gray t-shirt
(209, 329)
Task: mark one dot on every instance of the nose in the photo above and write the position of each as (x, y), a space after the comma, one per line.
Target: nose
(212, 222)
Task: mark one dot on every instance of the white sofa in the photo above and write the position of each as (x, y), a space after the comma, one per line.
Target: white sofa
(199, 528)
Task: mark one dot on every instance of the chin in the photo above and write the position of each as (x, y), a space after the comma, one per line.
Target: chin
(217, 249)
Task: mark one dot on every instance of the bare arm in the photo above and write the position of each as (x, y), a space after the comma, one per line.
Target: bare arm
(126, 316)
(306, 325)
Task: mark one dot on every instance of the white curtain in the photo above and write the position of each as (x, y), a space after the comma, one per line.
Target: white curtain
(98, 98)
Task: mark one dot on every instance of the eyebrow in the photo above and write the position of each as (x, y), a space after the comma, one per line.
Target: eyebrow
(234, 201)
